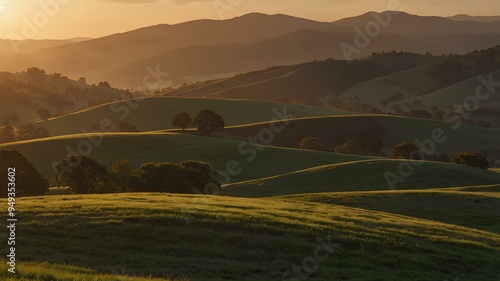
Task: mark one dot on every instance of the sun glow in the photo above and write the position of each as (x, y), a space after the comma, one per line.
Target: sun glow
(1, 7)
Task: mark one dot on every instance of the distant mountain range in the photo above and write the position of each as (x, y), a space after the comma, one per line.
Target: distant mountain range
(205, 49)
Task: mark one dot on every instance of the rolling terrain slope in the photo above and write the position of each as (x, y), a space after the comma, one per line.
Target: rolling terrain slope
(338, 129)
(475, 207)
(304, 81)
(213, 238)
(367, 175)
(459, 93)
(152, 114)
(255, 162)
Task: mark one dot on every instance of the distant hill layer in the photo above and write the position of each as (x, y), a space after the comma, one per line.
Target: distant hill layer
(205, 48)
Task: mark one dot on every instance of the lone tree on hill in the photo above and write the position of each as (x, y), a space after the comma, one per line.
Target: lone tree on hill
(182, 120)
(406, 150)
(472, 159)
(208, 121)
(27, 179)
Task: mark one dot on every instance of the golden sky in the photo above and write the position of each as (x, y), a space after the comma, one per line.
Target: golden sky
(60, 19)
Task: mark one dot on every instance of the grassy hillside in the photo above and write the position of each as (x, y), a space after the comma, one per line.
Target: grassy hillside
(480, 210)
(305, 81)
(365, 175)
(334, 130)
(23, 113)
(42, 271)
(214, 238)
(458, 93)
(157, 113)
(157, 147)
(373, 91)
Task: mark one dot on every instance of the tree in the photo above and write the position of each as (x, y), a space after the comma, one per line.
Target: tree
(471, 158)
(44, 114)
(127, 127)
(187, 177)
(82, 174)
(208, 121)
(200, 177)
(104, 84)
(28, 180)
(82, 80)
(159, 177)
(41, 133)
(406, 150)
(312, 143)
(26, 129)
(120, 174)
(182, 120)
(350, 147)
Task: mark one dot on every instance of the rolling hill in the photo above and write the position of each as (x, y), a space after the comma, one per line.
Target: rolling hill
(255, 162)
(475, 207)
(312, 80)
(151, 114)
(335, 130)
(25, 93)
(367, 175)
(209, 238)
(458, 93)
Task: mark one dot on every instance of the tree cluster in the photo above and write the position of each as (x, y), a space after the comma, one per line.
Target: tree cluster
(206, 122)
(25, 132)
(85, 175)
(409, 150)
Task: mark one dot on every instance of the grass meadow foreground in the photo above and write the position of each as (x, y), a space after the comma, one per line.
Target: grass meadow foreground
(187, 237)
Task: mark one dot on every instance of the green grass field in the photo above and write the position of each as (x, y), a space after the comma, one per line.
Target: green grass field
(441, 223)
(476, 207)
(362, 176)
(222, 238)
(458, 93)
(157, 113)
(372, 91)
(341, 128)
(173, 147)
(43, 271)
